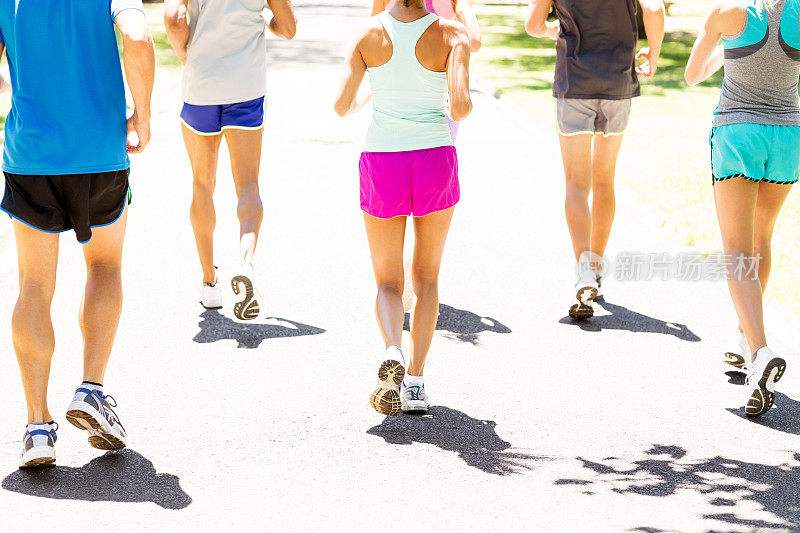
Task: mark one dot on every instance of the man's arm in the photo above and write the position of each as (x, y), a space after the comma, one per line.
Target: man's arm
(138, 57)
(284, 22)
(653, 15)
(177, 27)
(536, 24)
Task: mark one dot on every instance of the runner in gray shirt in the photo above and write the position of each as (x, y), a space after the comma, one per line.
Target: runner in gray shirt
(222, 44)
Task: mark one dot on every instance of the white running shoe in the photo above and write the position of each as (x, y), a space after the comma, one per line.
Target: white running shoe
(38, 445)
(91, 410)
(386, 397)
(587, 292)
(766, 370)
(737, 353)
(599, 279)
(211, 294)
(413, 399)
(243, 286)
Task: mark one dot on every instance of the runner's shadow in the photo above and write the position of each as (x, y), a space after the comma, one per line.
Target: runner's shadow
(123, 476)
(622, 318)
(461, 325)
(216, 327)
(782, 417)
(730, 485)
(475, 441)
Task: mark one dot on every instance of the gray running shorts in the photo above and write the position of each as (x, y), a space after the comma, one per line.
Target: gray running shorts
(579, 116)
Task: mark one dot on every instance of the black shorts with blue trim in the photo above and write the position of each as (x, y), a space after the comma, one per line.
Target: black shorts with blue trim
(63, 202)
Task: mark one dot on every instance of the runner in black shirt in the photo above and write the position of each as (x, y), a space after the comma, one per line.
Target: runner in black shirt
(595, 79)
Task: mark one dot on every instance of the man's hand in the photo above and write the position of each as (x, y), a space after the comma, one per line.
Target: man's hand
(648, 68)
(138, 133)
(553, 29)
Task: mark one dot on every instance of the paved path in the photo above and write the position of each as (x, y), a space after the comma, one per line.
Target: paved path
(626, 423)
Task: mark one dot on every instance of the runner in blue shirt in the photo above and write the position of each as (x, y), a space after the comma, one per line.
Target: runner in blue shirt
(66, 167)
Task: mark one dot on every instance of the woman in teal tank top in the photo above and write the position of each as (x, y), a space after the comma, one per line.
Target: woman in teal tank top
(409, 167)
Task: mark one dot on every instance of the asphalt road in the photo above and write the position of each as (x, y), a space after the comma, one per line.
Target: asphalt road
(625, 423)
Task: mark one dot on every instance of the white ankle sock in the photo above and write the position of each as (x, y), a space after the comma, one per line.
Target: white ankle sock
(92, 386)
(413, 381)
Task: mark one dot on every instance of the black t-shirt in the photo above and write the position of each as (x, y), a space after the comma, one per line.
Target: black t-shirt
(596, 49)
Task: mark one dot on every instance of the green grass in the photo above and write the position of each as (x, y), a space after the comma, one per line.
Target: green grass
(665, 156)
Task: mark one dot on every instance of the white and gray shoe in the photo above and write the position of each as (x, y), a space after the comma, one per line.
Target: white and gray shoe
(413, 398)
(737, 352)
(91, 410)
(211, 294)
(766, 370)
(38, 445)
(247, 305)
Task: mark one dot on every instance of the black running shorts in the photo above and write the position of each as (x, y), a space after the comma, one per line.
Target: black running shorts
(73, 201)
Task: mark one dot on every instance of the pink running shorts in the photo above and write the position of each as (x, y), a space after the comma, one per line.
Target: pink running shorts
(416, 182)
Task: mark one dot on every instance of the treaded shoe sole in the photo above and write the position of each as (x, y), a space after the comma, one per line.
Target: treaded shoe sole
(38, 457)
(386, 398)
(248, 308)
(100, 436)
(735, 360)
(583, 309)
(763, 396)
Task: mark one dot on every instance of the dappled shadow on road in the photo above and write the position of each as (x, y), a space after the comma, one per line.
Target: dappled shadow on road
(123, 476)
(725, 483)
(217, 327)
(623, 318)
(784, 417)
(463, 326)
(475, 441)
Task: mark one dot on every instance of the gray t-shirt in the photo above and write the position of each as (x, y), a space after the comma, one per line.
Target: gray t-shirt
(762, 65)
(227, 52)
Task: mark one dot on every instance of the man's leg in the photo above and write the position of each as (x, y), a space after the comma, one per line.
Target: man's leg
(203, 153)
(31, 326)
(245, 150)
(604, 164)
(576, 153)
(102, 302)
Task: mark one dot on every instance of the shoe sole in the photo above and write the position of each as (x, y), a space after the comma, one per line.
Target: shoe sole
(763, 396)
(212, 307)
(41, 458)
(99, 437)
(415, 407)
(386, 398)
(583, 310)
(247, 309)
(735, 360)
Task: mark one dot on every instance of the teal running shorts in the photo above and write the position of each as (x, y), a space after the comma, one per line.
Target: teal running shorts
(756, 152)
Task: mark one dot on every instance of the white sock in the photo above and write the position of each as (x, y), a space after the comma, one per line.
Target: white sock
(92, 386)
(394, 352)
(413, 381)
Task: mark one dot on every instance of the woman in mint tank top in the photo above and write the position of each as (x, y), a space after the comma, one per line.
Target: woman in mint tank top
(409, 167)
(755, 159)
(460, 10)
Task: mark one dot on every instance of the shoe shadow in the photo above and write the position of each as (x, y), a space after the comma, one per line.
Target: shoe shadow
(217, 327)
(475, 441)
(782, 417)
(462, 325)
(622, 318)
(122, 476)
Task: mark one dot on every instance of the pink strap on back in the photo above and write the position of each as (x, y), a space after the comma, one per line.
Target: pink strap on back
(429, 6)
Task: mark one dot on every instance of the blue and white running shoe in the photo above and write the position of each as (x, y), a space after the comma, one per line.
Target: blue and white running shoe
(38, 445)
(413, 399)
(91, 410)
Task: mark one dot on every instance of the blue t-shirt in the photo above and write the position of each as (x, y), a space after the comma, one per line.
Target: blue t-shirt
(68, 108)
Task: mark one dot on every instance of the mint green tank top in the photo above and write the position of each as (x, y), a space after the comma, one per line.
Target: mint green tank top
(408, 100)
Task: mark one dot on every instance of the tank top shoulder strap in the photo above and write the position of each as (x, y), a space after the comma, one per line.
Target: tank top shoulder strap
(790, 29)
(404, 35)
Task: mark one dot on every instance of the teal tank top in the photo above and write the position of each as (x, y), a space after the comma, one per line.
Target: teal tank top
(408, 100)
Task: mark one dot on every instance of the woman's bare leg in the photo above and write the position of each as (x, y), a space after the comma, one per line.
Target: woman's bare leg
(430, 235)
(245, 150)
